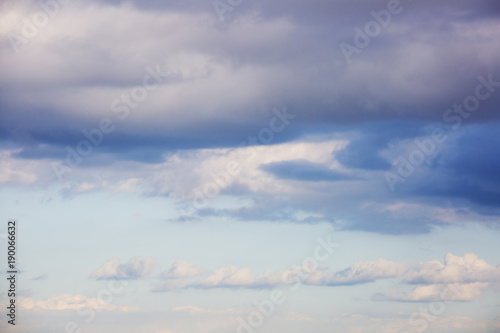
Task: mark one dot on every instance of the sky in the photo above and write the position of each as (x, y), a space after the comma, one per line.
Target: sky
(251, 166)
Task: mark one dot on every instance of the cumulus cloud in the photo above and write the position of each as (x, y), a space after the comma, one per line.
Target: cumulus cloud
(462, 278)
(182, 269)
(368, 271)
(458, 279)
(230, 276)
(135, 268)
(465, 269)
(439, 292)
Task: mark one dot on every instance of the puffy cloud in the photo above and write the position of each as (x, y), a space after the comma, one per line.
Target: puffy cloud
(230, 276)
(136, 268)
(465, 269)
(182, 269)
(227, 276)
(438, 292)
(458, 279)
(368, 271)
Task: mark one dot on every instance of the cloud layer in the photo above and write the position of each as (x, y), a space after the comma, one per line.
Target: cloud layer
(462, 278)
(77, 102)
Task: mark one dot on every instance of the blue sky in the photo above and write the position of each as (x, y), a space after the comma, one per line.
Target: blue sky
(174, 164)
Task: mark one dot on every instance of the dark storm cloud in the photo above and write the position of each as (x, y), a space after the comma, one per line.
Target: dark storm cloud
(304, 170)
(220, 81)
(365, 152)
(468, 169)
(388, 80)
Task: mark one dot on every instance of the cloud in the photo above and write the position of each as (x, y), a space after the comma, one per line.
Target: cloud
(136, 268)
(182, 269)
(303, 170)
(70, 302)
(230, 276)
(207, 67)
(216, 87)
(458, 279)
(368, 271)
(464, 171)
(462, 278)
(227, 276)
(365, 150)
(171, 285)
(466, 269)
(439, 292)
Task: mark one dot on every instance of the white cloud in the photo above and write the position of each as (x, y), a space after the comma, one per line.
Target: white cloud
(367, 271)
(136, 268)
(18, 172)
(227, 276)
(439, 292)
(458, 279)
(232, 276)
(468, 268)
(182, 269)
(473, 274)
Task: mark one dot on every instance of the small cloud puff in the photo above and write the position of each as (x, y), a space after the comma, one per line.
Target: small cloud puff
(136, 268)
